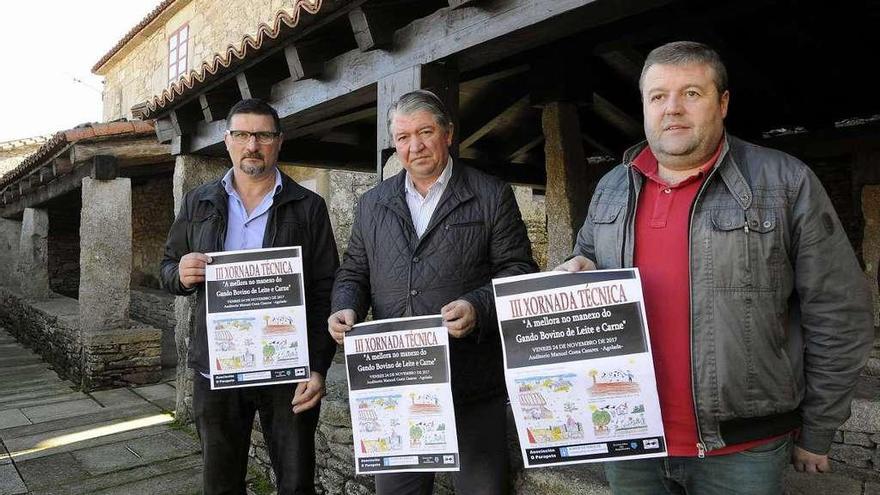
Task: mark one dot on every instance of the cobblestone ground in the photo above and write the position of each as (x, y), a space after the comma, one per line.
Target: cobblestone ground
(56, 440)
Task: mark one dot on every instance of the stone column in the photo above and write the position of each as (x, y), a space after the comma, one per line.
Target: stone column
(10, 244)
(116, 350)
(105, 255)
(567, 179)
(190, 171)
(33, 254)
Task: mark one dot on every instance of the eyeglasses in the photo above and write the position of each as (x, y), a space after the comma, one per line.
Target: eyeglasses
(262, 137)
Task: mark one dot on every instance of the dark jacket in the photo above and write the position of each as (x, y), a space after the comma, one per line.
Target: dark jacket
(781, 321)
(475, 234)
(298, 217)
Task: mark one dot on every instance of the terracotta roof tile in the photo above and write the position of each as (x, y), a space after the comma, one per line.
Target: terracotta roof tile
(64, 138)
(267, 35)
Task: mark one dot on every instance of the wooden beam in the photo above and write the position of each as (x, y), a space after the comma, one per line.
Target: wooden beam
(612, 114)
(165, 129)
(47, 173)
(522, 150)
(58, 187)
(104, 167)
(457, 4)
(495, 120)
(216, 105)
(249, 87)
(331, 123)
(128, 153)
(371, 28)
(482, 33)
(303, 63)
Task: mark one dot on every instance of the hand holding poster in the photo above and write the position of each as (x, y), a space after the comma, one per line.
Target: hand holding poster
(256, 318)
(400, 396)
(578, 367)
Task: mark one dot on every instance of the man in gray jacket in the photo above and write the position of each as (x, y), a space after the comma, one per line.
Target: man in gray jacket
(429, 241)
(760, 316)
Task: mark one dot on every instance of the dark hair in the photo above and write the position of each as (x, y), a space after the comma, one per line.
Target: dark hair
(687, 53)
(254, 106)
(421, 99)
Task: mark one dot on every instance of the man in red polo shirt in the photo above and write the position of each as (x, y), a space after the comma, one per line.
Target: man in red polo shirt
(759, 314)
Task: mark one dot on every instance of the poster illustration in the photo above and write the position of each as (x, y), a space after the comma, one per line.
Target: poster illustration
(578, 367)
(400, 396)
(256, 318)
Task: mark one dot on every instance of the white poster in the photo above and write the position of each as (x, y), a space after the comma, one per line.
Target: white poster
(400, 396)
(256, 318)
(578, 367)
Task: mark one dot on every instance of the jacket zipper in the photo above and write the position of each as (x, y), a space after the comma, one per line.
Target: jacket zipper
(701, 445)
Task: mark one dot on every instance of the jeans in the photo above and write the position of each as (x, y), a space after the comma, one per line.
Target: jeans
(224, 420)
(757, 471)
(482, 446)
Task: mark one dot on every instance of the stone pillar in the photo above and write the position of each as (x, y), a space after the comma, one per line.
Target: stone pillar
(190, 171)
(33, 254)
(105, 255)
(871, 255)
(567, 179)
(10, 243)
(116, 350)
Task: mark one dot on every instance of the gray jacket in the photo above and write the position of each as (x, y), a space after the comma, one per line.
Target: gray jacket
(781, 319)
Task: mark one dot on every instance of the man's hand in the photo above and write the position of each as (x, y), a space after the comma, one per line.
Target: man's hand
(308, 394)
(459, 317)
(191, 269)
(806, 461)
(341, 322)
(576, 264)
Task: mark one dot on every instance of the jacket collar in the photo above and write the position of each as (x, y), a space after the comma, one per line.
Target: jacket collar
(290, 191)
(458, 191)
(728, 168)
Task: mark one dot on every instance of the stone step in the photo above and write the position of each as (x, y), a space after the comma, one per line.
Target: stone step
(172, 477)
(108, 415)
(37, 398)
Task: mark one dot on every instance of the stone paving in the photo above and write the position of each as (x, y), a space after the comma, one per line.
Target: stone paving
(55, 440)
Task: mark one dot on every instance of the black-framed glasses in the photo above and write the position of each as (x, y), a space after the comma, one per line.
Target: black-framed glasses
(262, 137)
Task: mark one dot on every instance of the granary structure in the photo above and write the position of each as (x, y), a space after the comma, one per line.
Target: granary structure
(544, 93)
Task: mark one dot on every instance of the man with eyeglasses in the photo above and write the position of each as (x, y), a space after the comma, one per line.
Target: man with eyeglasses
(254, 205)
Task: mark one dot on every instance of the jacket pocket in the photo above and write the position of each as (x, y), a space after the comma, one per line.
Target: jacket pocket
(608, 219)
(745, 249)
(205, 233)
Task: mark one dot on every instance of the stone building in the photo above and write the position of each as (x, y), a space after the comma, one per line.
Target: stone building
(545, 95)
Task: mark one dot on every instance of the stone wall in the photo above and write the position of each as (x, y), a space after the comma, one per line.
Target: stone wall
(64, 244)
(346, 189)
(155, 307)
(142, 70)
(50, 328)
(152, 212)
(534, 214)
(131, 356)
(856, 447)
(10, 238)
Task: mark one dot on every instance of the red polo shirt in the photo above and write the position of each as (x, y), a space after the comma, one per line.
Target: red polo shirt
(661, 254)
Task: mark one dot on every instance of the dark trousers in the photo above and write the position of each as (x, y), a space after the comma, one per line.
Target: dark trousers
(482, 445)
(224, 420)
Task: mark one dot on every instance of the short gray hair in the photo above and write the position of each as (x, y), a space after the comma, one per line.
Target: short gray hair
(420, 99)
(687, 53)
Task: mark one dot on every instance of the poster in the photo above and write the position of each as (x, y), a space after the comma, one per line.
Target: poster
(256, 318)
(578, 367)
(400, 396)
